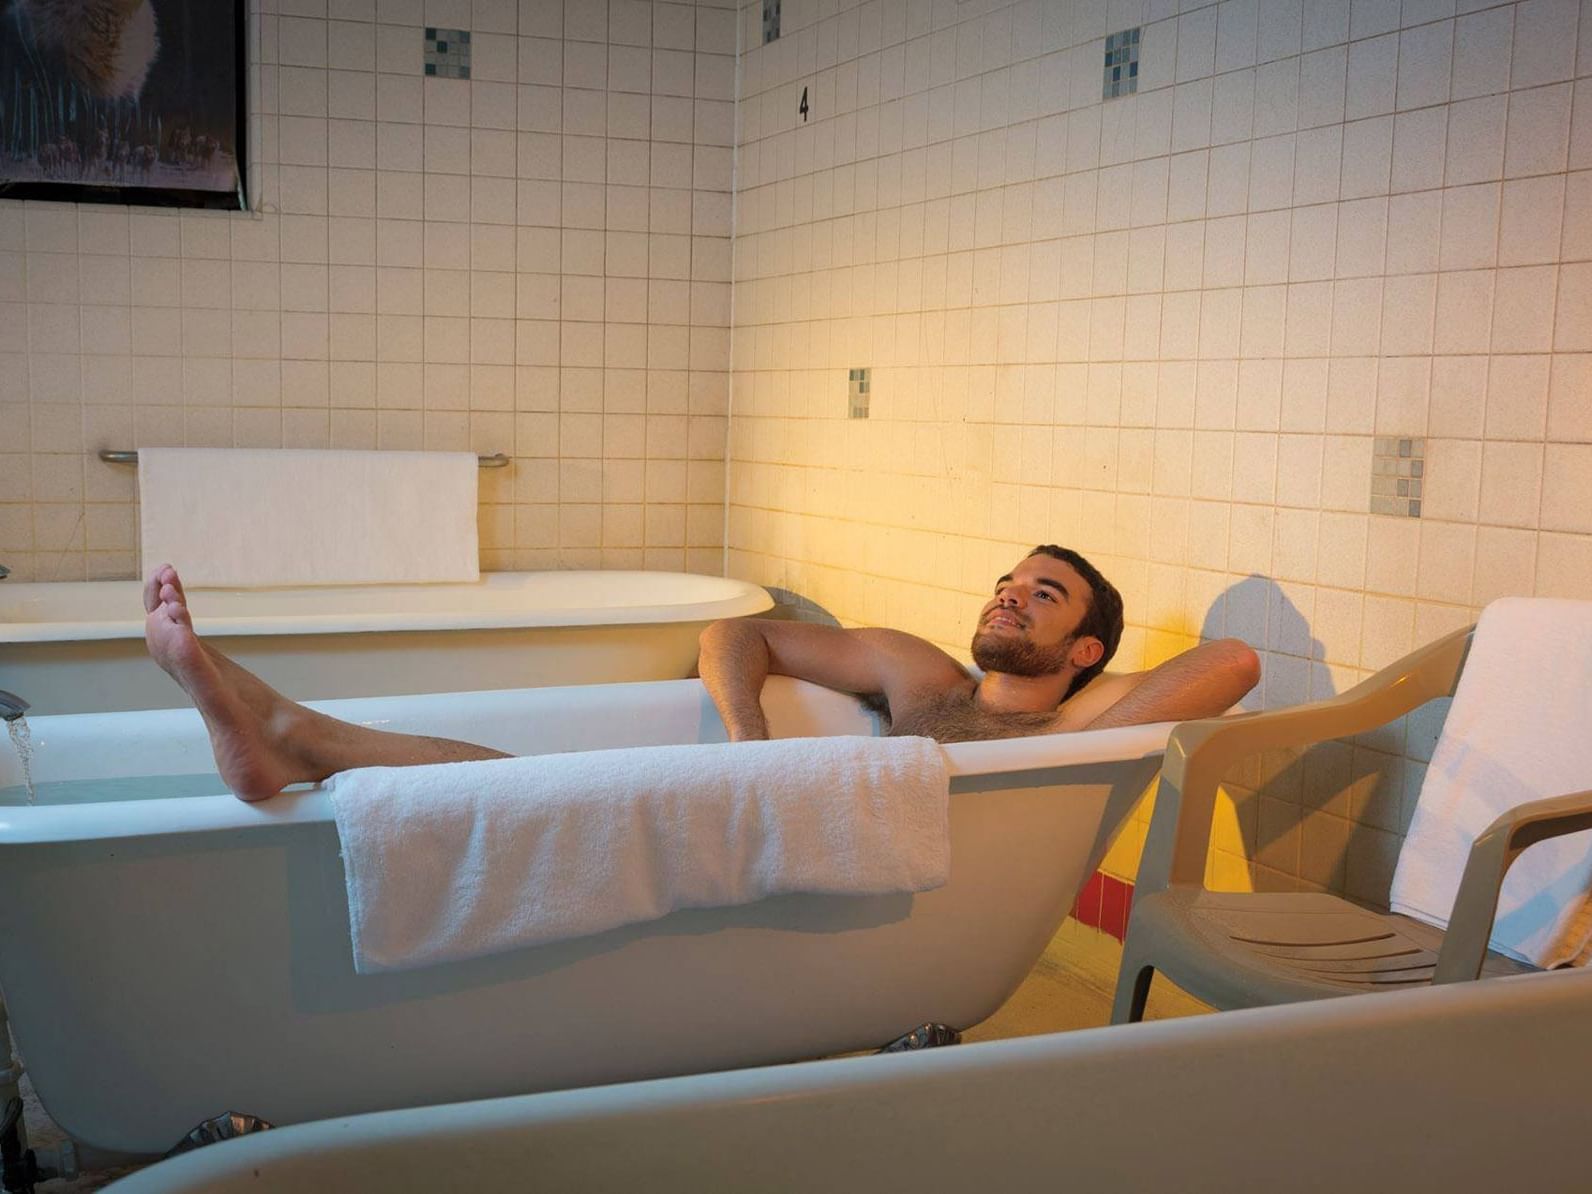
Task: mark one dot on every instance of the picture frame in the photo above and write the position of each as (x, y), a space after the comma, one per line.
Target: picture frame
(125, 101)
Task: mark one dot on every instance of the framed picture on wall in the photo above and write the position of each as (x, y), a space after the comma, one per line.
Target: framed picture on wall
(124, 101)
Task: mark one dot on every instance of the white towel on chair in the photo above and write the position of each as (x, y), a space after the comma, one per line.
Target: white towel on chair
(232, 517)
(457, 860)
(1518, 730)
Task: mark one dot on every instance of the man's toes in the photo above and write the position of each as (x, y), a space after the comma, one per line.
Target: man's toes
(175, 612)
(162, 578)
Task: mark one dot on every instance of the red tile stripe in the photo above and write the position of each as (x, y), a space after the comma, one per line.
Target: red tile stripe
(1104, 904)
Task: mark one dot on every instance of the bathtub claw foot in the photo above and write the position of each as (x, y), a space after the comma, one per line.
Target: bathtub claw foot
(222, 1127)
(20, 1170)
(924, 1036)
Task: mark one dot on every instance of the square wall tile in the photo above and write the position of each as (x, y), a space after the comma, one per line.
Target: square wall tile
(1538, 137)
(1567, 488)
(1543, 42)
(1425, 64)
(1482, 50)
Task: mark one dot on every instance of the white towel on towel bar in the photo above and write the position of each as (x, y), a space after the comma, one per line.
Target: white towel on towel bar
(241, 518)
(458, 860)
(1517, 731)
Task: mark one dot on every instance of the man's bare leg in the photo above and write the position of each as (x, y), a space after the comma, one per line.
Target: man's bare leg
(263, 741)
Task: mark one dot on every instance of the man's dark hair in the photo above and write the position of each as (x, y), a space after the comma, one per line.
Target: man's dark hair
(1103, 618)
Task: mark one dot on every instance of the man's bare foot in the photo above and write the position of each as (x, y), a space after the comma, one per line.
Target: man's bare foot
(250, 756)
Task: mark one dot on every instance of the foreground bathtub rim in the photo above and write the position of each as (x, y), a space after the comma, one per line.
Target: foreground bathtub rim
(1368, 1092)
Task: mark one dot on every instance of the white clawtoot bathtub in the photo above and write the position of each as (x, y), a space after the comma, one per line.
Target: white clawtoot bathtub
(78, 647)
(169, 955)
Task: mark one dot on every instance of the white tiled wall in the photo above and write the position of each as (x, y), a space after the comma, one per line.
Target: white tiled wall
(1164, 329)
(533, 261)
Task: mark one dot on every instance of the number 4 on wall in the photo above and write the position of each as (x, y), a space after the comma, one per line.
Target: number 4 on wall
(802, 107)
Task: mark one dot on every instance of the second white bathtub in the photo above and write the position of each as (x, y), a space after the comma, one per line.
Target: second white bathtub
(169, 956)
(79, 647)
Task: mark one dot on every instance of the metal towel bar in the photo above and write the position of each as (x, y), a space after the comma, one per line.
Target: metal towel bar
(114, 456)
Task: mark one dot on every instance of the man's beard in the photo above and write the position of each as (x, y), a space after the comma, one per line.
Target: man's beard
(1017, 656)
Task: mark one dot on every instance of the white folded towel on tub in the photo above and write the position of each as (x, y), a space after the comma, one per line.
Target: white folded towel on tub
(457, 860)
(1517, 731)
(232, 517)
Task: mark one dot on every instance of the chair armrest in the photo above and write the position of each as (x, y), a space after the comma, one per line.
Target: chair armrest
(1494, 852)
(1200, 752)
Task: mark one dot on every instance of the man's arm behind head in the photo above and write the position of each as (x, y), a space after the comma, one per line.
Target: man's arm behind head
(1206, 681)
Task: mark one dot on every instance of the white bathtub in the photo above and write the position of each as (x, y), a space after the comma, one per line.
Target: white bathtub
(79, 648)
(166, 960)
(1465, 1089)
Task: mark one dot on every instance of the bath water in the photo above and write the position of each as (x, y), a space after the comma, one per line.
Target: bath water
(22, 739)
(105, 791)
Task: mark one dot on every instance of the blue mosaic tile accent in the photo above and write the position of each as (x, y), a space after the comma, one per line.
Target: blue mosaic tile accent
(1122, 64)
(858, 383)
(1398, 475)
(447, 53)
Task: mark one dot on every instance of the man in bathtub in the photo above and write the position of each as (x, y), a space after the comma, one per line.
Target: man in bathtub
(1042, 642)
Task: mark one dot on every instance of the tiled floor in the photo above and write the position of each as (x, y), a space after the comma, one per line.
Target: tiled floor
(1070, 988)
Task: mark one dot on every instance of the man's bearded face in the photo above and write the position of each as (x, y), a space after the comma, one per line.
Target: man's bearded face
(1017, 655)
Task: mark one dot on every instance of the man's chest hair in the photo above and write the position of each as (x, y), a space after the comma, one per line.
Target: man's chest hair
(954, 716)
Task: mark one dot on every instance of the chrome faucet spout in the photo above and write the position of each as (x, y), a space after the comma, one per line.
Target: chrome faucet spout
(11, 706)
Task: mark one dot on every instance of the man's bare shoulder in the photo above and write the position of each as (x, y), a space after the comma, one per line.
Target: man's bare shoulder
(913, 660)
(898, 640)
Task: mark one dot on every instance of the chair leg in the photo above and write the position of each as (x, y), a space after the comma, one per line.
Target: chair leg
(1133, 991)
